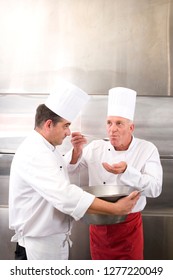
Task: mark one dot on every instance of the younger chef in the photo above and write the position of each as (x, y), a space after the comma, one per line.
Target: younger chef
(42, 201)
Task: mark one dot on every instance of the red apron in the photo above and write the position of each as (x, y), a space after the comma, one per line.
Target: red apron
(122, 241)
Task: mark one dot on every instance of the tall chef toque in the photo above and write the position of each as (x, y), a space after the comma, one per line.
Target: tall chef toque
(67, 100)
(121, 102)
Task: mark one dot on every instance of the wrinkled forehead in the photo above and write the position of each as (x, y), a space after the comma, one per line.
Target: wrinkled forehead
(117, 118)
(111, 120)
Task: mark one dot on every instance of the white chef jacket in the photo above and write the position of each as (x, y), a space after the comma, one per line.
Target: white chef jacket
(42, 201)
(144, 169)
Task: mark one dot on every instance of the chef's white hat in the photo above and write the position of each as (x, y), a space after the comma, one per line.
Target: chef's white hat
(66, 100)
(121, 102)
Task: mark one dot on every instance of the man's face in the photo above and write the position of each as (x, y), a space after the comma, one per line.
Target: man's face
(120, 132)
(58, 132)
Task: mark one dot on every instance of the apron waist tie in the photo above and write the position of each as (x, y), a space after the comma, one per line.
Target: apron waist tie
(67, 239)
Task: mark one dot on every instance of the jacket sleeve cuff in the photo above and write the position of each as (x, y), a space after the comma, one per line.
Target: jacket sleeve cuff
(83, 205)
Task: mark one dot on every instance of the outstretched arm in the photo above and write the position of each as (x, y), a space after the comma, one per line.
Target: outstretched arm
(121, 207)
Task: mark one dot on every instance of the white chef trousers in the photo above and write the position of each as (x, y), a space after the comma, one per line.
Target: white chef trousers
(53, 247)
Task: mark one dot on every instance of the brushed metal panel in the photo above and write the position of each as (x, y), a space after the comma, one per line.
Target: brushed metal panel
(100, 45)
(5, 163)
(165, 200)
(17, 118)
(4, 190)
(158, 241)
(154, 122)
(7, 247)
(80, 237)
(94, 117)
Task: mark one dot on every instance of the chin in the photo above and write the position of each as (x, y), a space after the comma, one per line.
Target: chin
(116, 145)
(114, 142)
(58, 143)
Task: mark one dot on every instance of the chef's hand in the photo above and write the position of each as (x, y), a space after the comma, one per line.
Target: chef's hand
(115, 168)
(78, 141)
(125, 205)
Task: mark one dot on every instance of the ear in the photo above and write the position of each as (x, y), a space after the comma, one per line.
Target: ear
(48, 124)
(132, 127)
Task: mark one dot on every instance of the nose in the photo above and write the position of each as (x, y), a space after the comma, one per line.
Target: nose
(113, 127)
(68, 133)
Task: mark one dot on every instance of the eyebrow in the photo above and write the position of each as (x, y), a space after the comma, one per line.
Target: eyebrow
(67, 123)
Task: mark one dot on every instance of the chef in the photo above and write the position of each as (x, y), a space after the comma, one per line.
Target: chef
(42, 201)
(123, 160)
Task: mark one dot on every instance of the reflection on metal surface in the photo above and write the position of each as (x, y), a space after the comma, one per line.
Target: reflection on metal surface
(7, 247)
(4, 188)
(5, 163)
(136, 52)
(158, 219)
(158, 237)
(108, 193)
(165, 200)
(96, 219)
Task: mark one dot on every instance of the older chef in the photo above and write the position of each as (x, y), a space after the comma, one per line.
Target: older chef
(42, 202)
(124, 160)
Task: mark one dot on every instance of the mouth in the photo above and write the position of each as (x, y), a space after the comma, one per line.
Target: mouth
(114, 137)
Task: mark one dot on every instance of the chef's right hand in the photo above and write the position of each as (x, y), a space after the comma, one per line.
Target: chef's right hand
(78, 141)
(126, 204)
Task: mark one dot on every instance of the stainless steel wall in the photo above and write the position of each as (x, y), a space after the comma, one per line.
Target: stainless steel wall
(96, 44)
(153, 121)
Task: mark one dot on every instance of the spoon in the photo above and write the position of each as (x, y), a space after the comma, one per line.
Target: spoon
(95, 137)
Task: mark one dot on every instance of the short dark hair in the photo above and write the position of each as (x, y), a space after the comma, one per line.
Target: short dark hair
(43, 114)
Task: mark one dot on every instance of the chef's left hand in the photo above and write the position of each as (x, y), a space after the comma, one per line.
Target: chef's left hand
(116, 168)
